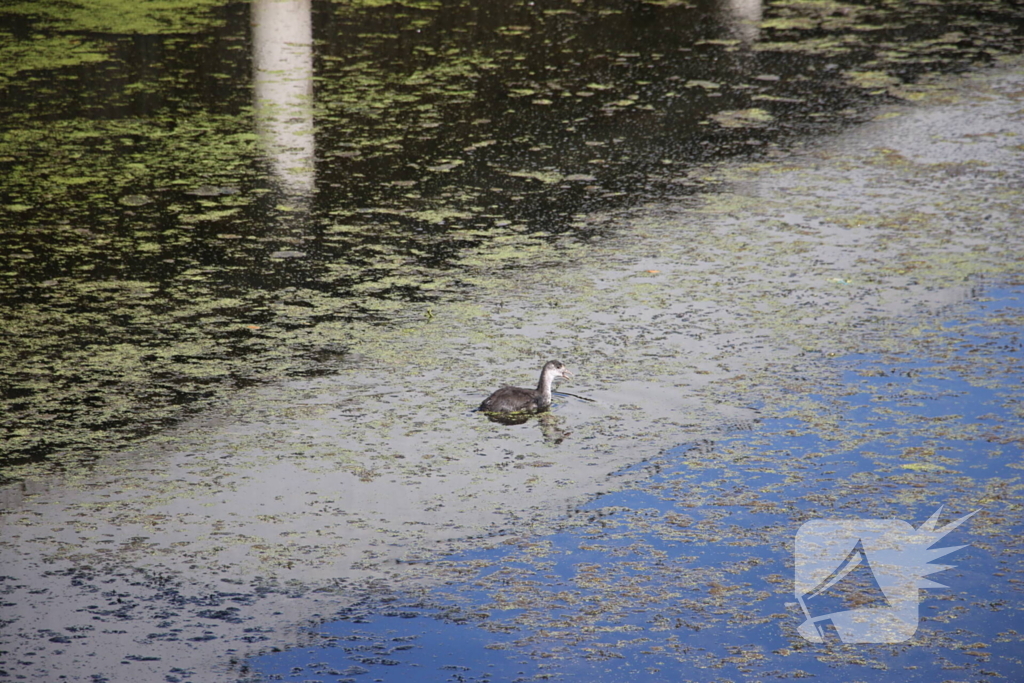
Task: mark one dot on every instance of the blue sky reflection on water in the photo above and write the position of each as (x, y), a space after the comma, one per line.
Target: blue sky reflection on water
(688, 573)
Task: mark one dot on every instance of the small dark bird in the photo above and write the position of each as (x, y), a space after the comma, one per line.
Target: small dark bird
(519, 400)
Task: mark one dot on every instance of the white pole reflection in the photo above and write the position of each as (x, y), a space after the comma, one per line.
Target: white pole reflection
(743, 17)
(282, 39)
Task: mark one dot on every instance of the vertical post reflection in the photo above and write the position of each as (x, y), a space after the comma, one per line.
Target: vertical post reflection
(282, 39)
(743, 18)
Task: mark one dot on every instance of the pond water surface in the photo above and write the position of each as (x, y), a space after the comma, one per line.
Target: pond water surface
(259, 261)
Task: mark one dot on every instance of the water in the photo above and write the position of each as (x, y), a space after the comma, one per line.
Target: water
(687, 574)
(256, 269)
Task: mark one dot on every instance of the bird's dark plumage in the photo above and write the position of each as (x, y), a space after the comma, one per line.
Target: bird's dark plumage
(519, 400)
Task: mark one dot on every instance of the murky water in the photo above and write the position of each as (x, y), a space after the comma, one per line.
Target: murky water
(260, 261)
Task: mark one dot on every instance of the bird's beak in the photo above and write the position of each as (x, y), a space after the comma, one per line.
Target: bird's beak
(566, 374)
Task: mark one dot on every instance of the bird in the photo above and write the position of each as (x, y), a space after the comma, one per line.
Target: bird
(518, 400)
